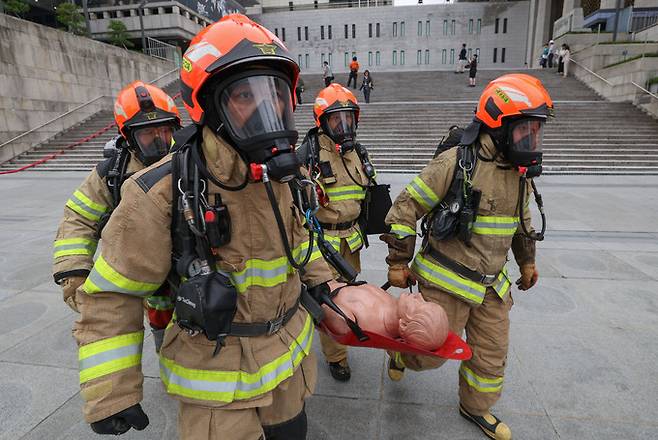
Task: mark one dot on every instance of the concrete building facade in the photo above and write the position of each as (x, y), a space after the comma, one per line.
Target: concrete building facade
(420, 37)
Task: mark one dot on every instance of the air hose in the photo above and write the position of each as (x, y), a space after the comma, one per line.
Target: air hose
(523, 181)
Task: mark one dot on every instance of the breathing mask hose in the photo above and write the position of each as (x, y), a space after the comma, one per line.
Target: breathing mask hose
(350, 174)
(205, 173)
(282, 231)
(540, 206)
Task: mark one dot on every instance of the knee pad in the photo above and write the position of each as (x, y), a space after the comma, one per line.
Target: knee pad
(293, 429)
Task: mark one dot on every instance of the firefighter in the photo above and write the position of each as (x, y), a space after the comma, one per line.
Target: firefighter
(146, 118)
(473, 201)
(220, 213)
(334, 160)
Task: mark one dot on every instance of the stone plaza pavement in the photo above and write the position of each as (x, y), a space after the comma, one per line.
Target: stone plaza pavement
(583, 362)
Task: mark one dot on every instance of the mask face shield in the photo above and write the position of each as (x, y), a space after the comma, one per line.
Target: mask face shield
(340, 126)
(525, 141)
(153, 142)
(258, 112)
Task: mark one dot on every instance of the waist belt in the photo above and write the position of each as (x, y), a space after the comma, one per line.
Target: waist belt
(264, 328)
(339, 226)
(459, 268)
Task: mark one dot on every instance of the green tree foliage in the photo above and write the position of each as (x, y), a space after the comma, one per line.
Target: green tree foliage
(69, 16)
(16, 7)
(119, 34)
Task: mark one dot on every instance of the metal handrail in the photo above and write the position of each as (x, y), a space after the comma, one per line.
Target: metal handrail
(74, 110)
(644, 90)
(591, 72)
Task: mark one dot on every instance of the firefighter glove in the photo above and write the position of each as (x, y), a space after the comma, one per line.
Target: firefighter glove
(121, 422)
(399, 275)
(529, 277)
(69, 286)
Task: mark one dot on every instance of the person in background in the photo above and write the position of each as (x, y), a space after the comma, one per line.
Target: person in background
(462, 59)
(327, 74)
(367, 85)
(566, 56)
(299, 89)
(551, 53)
(354, 70)
(472, 70)
(544, 57)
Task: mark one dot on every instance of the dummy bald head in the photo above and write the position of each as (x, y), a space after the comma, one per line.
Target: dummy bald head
(423, 324)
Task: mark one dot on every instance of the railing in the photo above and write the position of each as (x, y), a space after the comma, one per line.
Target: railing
(164, 51)
(37, 135)
(596, 75)
(330, 5)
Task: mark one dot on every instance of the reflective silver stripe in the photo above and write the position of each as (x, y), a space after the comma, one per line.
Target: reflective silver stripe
(442, 277)
(252, 272)
(429, 201)
(65, 247)
(495, 225)
(105, 285)
(86, 208)
(481, 384)
(346, 193)
(110, 355)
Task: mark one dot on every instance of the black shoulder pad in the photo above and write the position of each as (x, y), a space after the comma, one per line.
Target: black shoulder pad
(185, 136)
(105, 166)
(305, 152)
(147, 180)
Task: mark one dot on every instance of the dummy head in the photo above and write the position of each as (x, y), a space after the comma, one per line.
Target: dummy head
(423, 324)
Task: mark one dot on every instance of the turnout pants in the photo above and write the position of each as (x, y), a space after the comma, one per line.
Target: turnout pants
(487, 333)
(332, 350)
(203, 423)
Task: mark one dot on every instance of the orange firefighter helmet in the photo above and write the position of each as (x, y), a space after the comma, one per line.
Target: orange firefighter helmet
(332, 99)
(140, 104)
(234, 40)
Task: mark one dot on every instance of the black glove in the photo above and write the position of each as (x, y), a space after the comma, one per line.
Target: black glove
(120, 423)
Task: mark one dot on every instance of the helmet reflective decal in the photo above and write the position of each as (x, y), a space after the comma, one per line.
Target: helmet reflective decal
(517, 95)
(119, 111)
(266, 49)
(321, 101)
(197, 51)
(170, 103)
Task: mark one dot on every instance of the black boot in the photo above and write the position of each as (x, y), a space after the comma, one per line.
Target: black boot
(340, 370)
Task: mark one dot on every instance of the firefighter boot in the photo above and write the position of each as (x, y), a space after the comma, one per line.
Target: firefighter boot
(491, 425)
(340, 370)
(395, 367)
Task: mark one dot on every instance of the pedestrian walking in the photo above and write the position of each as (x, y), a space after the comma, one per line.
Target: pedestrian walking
(543, 60)
(461, 60)
(472, 70)
(327, 74)
(354, 70)
(367, 85)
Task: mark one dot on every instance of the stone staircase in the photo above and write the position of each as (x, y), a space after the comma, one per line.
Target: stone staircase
(588, 135)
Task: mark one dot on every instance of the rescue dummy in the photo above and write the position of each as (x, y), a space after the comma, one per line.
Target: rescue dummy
(473, 200)
(418, 322)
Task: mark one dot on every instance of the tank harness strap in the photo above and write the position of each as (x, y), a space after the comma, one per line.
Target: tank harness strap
(459, 268)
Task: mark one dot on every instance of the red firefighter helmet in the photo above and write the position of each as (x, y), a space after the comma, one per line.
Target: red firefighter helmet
(234, 40)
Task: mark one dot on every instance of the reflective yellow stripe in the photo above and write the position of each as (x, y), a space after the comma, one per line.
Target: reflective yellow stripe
(86, 207)
(74, 246)
(422, 193)
(270, 273)
(494, 225)
(103, 278)
(110, 355)
(448, 280)
(349, 192)
(227, 386)
(503, 283)
(355, 241)
(334, 241)
(402, 231)
(481, 384)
